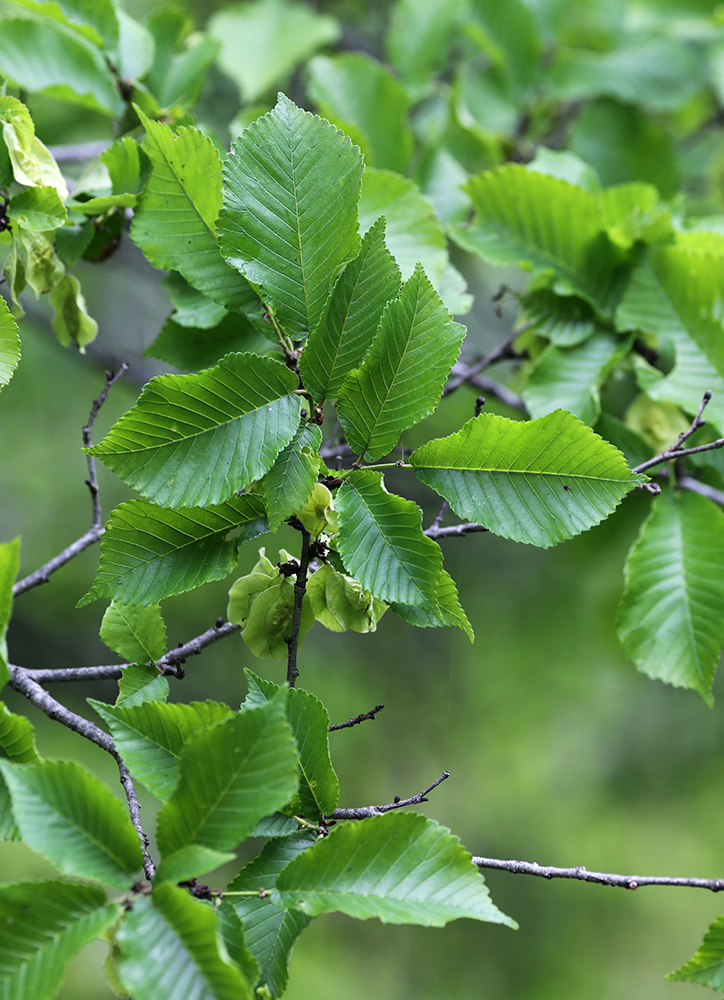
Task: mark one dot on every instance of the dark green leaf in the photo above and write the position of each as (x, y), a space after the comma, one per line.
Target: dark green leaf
(401, 867)
(148, 553)
(539, 481)
(290, 481)
(181, 57)
(196, 439)
(289, 219)
(95, 20)
(192, 350)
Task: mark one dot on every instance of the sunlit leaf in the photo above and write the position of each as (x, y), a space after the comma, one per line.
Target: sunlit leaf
(138, 634)
(9, 344)
(9, 562)
(37, 208)
(141, 683)
(448, 612)
(706, 966)
(17, 743)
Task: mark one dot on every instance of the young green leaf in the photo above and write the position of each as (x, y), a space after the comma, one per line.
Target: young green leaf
(196, 439)
(706, 966)
(32, 163)
(539, 481)
(43, 926)
(382, 545)
(401, 867)
(671, 619)
(566, 321)
(43, 270)
(127, 165)
(270, 930)
(403, 374)
(185, 932)
(351, 316)
(9, 562)
(148, 553)
(9, 344)
(37, 208)
(449, 612)
(66, 814)
(138, 634)
(290, 481)
(174, 223)
(419, 38)
(151, 736)
(141, 683)
(96, 20)
(289, 219)
(190, 862)
(17, 743)
(231, 776)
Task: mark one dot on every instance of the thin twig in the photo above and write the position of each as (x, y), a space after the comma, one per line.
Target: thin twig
(348, 723)
(491, 388)
(600, 878)
(300, 589)
(503, 352)
(95, 531)
(27, 686)
(364, 812)
(676, 451)
(695, 486)
(454, 531)
(437, 523)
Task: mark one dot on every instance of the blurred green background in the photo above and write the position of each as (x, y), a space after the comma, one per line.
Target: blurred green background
(559, 751)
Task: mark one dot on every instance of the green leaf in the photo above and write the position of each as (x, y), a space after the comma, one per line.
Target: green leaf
(192, 349)
(185, 932)
(289, 219)
(32, 163)
(382, 545)
(138, 634)
(412, 233)
(569, 378)
(231, 776)
(270, 931)
(66, 814)
(9, 344)
(676, 293)
(9, 562)
(262, 42)
(508, 35)
(268, 620)
(17, 743)
(419, 36)
(401, 867)
(706, 966)
(354, 89)
(127, 165)
(191, 307)
(449, 612)
(190, 862)
(150, 737)
(95, 20)
(403, 374)
(232, 935)
(148, 553)
(196, 439)
(565, 166)
(43, 926)
(174, 222)
(545, 225)
(340, 603)
(37, 208)
(181, 58)
(290, 481)
(46, 57)
(72, 241)
(671, 619)
(566, 322)
(43, 270)
(539, 481)
(141, 683)
(351, 316)
(135, 49)
(71, 321)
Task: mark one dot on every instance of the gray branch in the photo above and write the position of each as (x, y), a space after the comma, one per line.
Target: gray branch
(454, 531)
(463, 372)
(676, 451)
(43, 574)
(365, 717)
(27, 686)
(364, 812)
(600, 878)
(687, 483)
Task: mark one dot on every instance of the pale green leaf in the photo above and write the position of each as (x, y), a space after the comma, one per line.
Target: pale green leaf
(149, 553)
(676, 294)
(174, 222)
(127, 165)
(262, 42)
(138, 634)
(671, 619)
(135, 48)
(17, 743)
(349, 322)
(546, 225)
(419, 37)
(140, 683)
(289, 219)
(340, 603)
(150, 736)
(231, 776)
(181, 57)
(270, 931)
(354, 89)
(267, 622)
(170, 923)
(290, 481)
(566, 321)
(539, 481)
(66, 814)
(43, 56)
(508, 35)
(190, 862)
(9, 563)
(102, 204)
(401, 867)
(449, 612)
(706, 966)
(402, 376)
(43, 926)
(37, 208)
(568, 378)
(196, 439)
(382, 545)
(71, 321)
(565, 166)
(412, 233)
(43, 270)
(9, 344)
(95, 20)
(31, 161)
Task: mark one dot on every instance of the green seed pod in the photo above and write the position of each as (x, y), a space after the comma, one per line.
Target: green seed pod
(340, 603)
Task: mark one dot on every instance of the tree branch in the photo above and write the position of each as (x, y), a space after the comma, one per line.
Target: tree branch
(95, 531)
(454, 531)
(490, 387)
(695, 486)
(27, 686)
(601, 878)
(503, 352)
(364, 812)
(676, 451)
(300, 589)
(348, 723)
